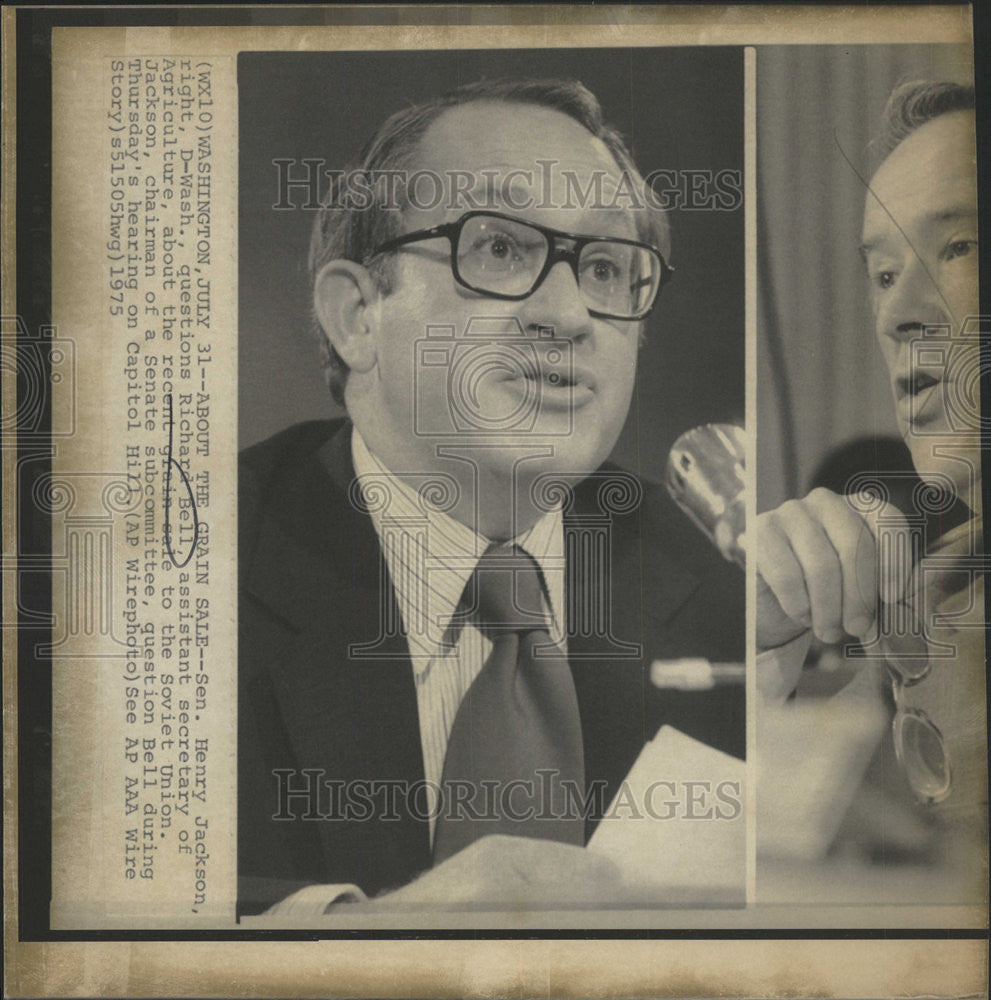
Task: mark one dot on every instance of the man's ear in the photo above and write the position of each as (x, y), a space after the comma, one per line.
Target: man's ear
(346, 301)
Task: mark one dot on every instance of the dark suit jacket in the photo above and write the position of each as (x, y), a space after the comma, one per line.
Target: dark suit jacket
(310, 567)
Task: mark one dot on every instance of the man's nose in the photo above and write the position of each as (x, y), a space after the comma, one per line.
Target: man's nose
(558, 305)
(912, 304)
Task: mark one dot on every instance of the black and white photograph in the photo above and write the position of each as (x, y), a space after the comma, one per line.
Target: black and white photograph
(871, 721)
(493, 500)
(570, 298)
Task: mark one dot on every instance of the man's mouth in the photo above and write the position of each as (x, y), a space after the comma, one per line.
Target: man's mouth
(550, 375)
(551, 379)
(915, 384)
(920, 400)
(558, 385)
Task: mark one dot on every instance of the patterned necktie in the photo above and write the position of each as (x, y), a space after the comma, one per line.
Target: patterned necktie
(516, 740)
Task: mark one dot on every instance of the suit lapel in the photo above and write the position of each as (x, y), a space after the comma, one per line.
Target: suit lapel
(638, 590)
(344, 684)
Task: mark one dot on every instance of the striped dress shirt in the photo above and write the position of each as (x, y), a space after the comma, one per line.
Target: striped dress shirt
(431, 557)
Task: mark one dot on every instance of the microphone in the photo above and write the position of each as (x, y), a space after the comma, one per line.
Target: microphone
(705, 477)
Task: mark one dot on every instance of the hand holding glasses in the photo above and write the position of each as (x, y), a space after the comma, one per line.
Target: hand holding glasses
(902, 644)
(919, 745)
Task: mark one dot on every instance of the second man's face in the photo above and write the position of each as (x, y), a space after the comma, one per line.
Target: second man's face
(539, 376)
(920, 248)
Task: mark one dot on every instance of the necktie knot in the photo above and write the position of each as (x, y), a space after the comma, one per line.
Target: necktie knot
(506, 595)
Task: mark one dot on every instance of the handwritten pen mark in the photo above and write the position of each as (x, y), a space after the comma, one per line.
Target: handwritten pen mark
(170, 462)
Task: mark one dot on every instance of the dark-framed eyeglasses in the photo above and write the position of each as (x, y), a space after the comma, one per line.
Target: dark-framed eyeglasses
(506, 258)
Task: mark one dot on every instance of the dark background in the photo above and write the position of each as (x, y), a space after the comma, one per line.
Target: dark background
(678, 109)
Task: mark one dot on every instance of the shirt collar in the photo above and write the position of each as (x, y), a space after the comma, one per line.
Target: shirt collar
(431, 555)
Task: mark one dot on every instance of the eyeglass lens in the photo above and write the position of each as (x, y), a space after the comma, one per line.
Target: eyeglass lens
(503, 256)
(919, 744)
(907, 655)
(920, 748)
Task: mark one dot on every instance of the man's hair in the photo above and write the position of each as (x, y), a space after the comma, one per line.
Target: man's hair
(344, 230)
(915, 103)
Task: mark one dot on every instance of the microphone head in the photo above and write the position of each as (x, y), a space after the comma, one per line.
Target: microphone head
(705, 477)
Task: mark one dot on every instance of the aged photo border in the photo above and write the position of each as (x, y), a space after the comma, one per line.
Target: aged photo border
(31, 289)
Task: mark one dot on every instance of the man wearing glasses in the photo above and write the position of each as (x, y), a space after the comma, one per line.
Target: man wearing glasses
(448, 602)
